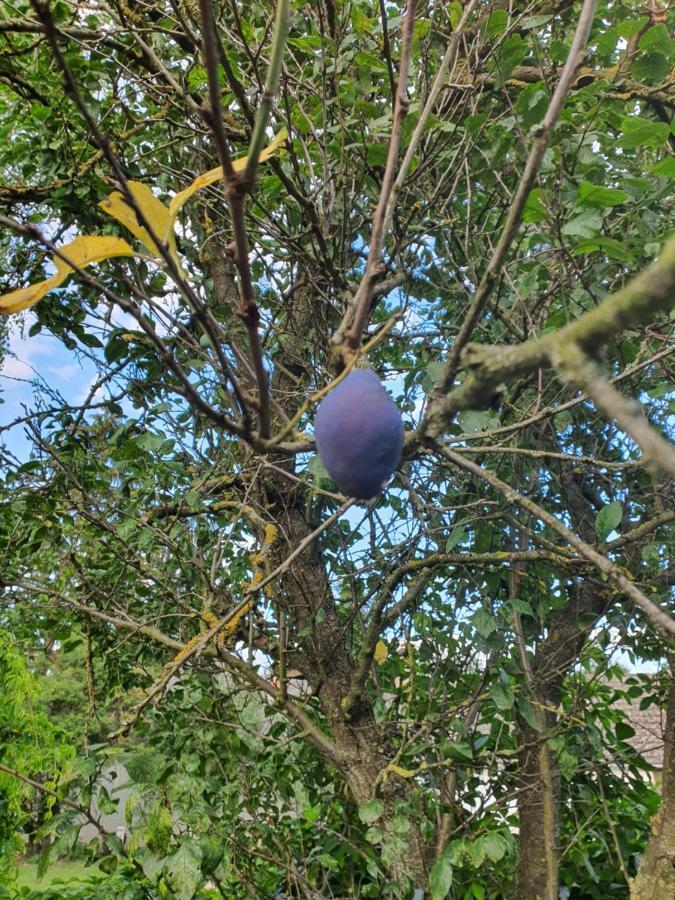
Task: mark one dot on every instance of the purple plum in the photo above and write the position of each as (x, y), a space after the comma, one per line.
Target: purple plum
(359, 434)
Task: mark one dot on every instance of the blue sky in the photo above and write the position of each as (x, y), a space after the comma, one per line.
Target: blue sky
(40, 358)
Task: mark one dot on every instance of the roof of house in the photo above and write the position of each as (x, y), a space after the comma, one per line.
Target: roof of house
(648, 724)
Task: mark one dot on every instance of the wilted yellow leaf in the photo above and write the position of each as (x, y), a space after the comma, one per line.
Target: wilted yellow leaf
(81, 252)
(90, 248)
(381, 653)
(152, 208)
(21, 299)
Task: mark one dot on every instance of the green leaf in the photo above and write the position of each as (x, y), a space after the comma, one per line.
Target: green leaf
(477, 852)
(495, 845)
(586, 225)
(457, 750)
(370, 811)
(194, 499)
(457, 536)
(502, 696)
(608, 40)
(213, 850)
(629, 27)
(432, 373)
(116, 348)
(534, 22)
(143, 765)
(534, 210)
(400, 825)
(639, 132)
(185, 870)
(624, 731)
(105, 803)
(455, 11)
(610, 247)
(568, 763)
(484, 622)
(598, 196)
(666, 167)
(497, 22)
(608, 519)
(90, 340)
(328, 862)
(513, 52)
(528, 713)
(650, 67)
(521, 606)
(376, 154)
(658, 40)
(473, 421)
(318, 474)
(440, 878)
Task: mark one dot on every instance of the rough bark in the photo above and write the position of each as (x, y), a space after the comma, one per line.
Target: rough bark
(538, 815)
(656, 877)
(539, 776)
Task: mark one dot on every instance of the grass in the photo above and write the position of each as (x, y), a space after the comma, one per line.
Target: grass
(66, 870)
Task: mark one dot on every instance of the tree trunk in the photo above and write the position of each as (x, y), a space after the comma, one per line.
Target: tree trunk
(326, 662)
(539, 787)
(539, 776)
(656, 877)
(538, 818)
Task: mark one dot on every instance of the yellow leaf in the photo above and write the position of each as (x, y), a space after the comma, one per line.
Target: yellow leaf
(16, 301)
(152, 208)
(214, 175)
(81, 252)
(381, 653)
(90, 248)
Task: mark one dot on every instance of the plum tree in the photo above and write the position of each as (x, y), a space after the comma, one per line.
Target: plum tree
(359, 434)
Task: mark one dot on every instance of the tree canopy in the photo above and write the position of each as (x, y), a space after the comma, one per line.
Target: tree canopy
(213, 211)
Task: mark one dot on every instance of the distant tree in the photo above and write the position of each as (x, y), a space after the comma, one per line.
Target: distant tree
(319, 697)
(32, 751)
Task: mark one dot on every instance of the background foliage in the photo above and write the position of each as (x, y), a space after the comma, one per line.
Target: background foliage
(397, 705)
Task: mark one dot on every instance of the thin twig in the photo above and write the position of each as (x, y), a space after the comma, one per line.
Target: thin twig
(447, 62)
(202, 313)
(657, 616)
(186, 388)
(196, 647)
(551, 411)
(236, 186)
(62, 800)
(650, 292)
(214, 114)
(539, 145)
(269, 93)
(353, 323)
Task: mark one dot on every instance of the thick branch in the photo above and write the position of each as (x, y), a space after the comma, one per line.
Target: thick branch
(578, 369)
(648, 293)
